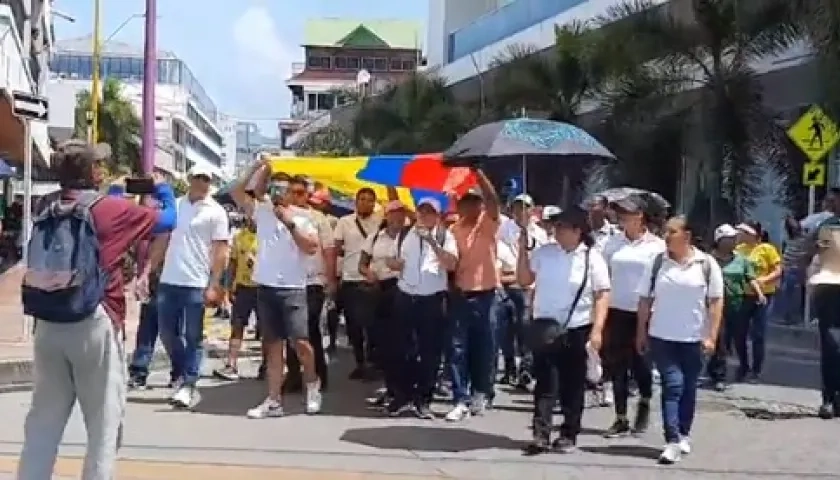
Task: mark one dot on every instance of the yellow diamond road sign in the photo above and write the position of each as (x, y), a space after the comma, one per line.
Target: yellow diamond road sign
(813, 174)
(814, 133)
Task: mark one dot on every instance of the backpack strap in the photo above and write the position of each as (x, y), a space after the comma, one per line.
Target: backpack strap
(580, 290)
(654, 272)
(401, 238)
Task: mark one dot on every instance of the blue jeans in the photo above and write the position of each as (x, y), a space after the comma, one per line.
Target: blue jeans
(787, 304)
(472, 351)
(679, 365)
(147, 333)
(181, 325)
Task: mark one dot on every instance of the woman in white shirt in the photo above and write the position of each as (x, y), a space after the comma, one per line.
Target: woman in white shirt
(627, 253)
(680, 308)
(372, 266)
(571, 297)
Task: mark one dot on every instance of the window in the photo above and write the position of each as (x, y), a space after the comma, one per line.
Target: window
(85, 67)
(326, 101)
(395, 64)
(319, 62)
(368, 63)
(353, 63)
(340, 63)
(311, 101)
(194, 143)
(380, 64)
(203, 125)
(409, 65)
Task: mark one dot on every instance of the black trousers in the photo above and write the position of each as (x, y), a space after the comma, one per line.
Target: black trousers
(358, 301)
(416, 345)
(621, 359)
(315, 297)
(382, 326)
(827, 310)
(560, 371)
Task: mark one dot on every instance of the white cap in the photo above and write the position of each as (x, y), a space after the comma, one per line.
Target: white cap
(746, 229)
(524, 198)
(430, 201)
(724, 231)
(198, 170)
(549, 211)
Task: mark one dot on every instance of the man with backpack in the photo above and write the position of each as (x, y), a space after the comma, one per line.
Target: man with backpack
(74, 288)
(423, 255)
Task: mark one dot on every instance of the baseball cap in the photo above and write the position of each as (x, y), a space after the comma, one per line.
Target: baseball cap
(724, 231)
(200, 170)
(394, 206)
(549, 211)
(430, 201)
(629, 204)
(320, 197)
(746, 228)
(524, 198)
(472, 194)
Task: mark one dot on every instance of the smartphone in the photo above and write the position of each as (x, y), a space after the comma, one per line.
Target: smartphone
(140, 186)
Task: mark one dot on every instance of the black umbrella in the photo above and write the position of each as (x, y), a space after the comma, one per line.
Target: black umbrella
(525, 138)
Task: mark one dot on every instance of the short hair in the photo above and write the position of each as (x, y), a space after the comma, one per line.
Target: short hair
(365, 191)
(299, 180)
(74, 161)
(280, 176)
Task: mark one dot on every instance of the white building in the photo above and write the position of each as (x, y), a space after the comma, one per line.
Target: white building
(187, 123)
(26, 39)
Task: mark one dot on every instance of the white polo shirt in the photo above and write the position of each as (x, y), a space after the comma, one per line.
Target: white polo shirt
(627, 260)
(680, 295)
(380, 246)
(280, 263)
(559, 275)
(199, 224)
(352, 238)
(422, 274)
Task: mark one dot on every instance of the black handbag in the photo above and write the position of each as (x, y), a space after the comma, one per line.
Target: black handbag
(544, 332)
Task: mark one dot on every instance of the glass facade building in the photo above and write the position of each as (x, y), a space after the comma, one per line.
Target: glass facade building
(130, 69)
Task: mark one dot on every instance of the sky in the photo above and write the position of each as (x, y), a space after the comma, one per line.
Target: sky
(240, 50)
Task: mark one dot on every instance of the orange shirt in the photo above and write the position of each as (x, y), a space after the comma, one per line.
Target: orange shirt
(476, 254)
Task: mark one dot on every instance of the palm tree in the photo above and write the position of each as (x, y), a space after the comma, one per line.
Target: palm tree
(414, 116)
(713, 44)
(119, 126)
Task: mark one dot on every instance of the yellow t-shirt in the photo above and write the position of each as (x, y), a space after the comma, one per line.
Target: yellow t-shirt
(244, 253)
(765, 258)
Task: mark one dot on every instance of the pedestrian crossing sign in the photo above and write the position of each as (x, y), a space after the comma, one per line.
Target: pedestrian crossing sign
(815, 134)
(813, 174)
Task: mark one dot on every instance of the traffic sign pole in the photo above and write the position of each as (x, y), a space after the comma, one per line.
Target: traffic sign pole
(27, 208)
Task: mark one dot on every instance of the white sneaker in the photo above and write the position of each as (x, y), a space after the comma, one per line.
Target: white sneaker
(313, 398)
(478, 404)
(268, 408)
(670, 454)
(185, 396)
(685, 445)
(460, 412)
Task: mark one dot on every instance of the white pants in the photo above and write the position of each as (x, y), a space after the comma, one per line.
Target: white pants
(82, 361)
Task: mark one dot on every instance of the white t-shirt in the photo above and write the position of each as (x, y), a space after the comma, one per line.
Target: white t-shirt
(627, 261)
(316, 272)
(505, 257)
(380, 246)
(559, 275)
(280, 263)
(422, 274)
(347, 232)
(680, 297)
(199, 224)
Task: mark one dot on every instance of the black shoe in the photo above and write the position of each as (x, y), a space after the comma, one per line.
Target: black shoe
(827, 411)
(358, 373)
(398, 408)
(642, 420)
(537, 446)
(379, 400)
(742, 374)
(754, 377)
(508, 378)
(423, 411)
(619, 428)
(137, 382)
(292, 385)
(564, 445)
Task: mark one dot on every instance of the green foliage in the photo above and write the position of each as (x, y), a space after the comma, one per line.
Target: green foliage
(329, 141)
(180, 186)
(119, 126)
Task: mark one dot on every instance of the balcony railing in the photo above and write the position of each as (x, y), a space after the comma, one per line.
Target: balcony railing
(502, 23)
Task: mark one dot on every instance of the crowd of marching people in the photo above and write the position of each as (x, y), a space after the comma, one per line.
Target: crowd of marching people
(605, 298)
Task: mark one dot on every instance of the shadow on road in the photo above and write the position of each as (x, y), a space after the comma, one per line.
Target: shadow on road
(429, 439)
(632, 451)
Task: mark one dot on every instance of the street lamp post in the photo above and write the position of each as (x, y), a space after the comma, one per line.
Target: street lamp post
(95, 87)
(149, 80)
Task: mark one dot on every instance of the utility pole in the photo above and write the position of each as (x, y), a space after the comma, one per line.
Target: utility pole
(149, 81)
(95, 90)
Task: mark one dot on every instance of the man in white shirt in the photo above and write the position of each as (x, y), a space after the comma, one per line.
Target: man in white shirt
(424, 256)
(351, 234)
(286, 238)
(320, 282)
(513, 341)
(191, 278)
